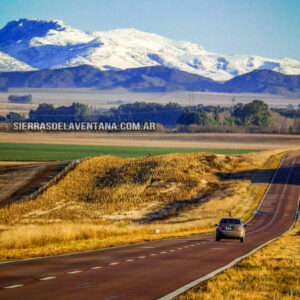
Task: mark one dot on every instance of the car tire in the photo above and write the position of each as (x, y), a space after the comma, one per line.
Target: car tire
(242, 240)
(217, 239)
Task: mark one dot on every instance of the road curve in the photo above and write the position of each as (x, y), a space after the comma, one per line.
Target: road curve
(153, 269)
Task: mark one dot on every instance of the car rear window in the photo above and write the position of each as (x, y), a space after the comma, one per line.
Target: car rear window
(231, 221)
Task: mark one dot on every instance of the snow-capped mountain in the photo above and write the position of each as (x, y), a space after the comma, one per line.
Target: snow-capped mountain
(42, 44)
(8, 63)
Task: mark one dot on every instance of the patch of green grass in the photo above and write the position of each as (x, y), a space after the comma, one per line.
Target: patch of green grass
(18, 151)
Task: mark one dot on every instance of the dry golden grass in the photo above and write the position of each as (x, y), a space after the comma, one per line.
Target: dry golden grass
(52, 239)
(18, 163)
(108, 201)
(20, 108)
(271, 273)
(169, 140)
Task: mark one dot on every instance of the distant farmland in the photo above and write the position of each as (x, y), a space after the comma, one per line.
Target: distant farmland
(31, 152)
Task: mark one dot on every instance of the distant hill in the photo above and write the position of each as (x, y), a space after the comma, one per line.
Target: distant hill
(148, 79)
(264, 81)
(159, 78)
(152, 79)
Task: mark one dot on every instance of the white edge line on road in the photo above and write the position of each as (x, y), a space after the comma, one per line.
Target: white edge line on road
(95, 268)
(13, 286)
(234, 262)
(47, 278)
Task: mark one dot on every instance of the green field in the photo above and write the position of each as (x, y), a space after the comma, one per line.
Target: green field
(27, 152)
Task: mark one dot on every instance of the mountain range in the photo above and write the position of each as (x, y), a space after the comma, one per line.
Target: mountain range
(152, 79)
(32, 44)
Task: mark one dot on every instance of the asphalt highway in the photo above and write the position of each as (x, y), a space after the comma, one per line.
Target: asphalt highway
(153, 269)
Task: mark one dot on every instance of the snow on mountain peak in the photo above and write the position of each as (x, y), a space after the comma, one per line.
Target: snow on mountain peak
(53, 44)
(44, 44)
(8, 63)
(26, 29)
(67, 36)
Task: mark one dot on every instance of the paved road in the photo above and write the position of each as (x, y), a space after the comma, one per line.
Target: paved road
(153, 269)
(19, 180)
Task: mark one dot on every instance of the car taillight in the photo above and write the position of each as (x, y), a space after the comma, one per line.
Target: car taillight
(220, 227)
(240, 228)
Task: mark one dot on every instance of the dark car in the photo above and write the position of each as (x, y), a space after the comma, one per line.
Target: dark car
(230, 228)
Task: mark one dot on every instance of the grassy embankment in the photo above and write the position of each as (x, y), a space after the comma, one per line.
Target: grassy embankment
(271, 273)
(22, 151)
(107, 201)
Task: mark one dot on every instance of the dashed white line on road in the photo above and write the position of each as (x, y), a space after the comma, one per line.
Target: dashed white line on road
(172, 250)
(141, 256)
(47, 278)
(129, 260)
(113, 264)
(153, 254)
(95, 268)
(179, 248)
(74, 272)
(186, 246)
(162, 252)
(13, 286)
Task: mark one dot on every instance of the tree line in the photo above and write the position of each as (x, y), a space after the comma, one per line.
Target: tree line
(20, 99)
(255, 113)
(287, 112)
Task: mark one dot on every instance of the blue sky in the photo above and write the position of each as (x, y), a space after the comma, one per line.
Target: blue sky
(269, 28)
